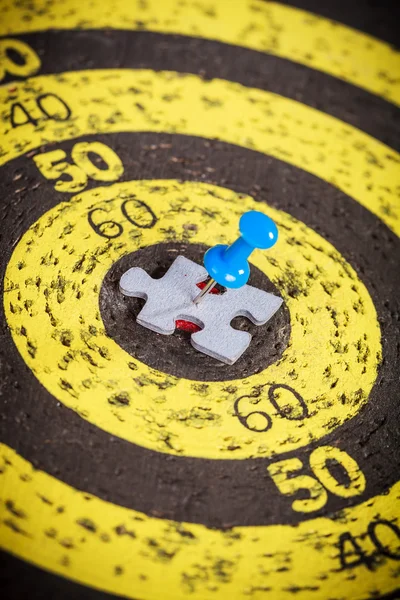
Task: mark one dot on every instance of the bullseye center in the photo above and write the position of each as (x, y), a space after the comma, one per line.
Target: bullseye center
(174, 354)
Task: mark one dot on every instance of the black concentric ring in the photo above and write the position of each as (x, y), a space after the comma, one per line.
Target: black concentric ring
(51, 436)
(96, 49)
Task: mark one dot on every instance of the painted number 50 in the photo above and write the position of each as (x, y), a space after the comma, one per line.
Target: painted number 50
(74, 177)
(289, 481)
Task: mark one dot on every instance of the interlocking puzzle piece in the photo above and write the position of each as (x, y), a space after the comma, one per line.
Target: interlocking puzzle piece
(171, 298)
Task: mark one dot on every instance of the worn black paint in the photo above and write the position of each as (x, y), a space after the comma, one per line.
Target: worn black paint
(373, 435)
(379, 18)
(20, 580)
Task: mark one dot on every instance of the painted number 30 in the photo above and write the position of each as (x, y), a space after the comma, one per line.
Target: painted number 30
(17, 59)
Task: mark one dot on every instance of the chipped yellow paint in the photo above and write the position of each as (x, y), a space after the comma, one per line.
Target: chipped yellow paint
(122, 551)
(142, 100)
(51, 293)
(267, 27)
(129, 553)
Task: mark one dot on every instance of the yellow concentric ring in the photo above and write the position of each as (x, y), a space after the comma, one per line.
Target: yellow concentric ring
(99, 101)
(52, 287)
(123, 551)
(79, 536)
(267, 27)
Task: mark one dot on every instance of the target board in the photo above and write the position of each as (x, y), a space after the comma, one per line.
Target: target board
(130, 464)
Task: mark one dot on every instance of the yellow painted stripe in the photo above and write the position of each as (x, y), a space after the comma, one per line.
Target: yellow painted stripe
(129, 553)
(143, 100)
(267, 27)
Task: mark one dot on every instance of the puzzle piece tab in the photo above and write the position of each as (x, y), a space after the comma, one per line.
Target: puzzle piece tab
(171, 298)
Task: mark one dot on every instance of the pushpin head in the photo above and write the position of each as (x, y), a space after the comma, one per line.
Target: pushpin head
(227, 273)
(228, 264)
(258, 229)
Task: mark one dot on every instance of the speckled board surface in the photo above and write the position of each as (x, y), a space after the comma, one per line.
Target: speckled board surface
(130, 464)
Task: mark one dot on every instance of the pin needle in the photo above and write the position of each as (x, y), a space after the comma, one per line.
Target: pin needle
(207, 288)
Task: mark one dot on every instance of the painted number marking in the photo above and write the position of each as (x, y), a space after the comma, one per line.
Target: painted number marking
(17, 58)
(285, 400)
(45, 107)
(384, 537)
(324, 461)
(74, 177)
(136, 212)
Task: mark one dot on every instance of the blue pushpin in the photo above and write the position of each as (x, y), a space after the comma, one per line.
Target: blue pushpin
(227, 265)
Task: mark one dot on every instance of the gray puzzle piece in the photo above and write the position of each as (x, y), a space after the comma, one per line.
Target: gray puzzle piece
(171, 298)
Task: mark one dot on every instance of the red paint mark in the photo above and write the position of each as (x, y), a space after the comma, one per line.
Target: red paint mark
(191, 327)
(187, 326)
